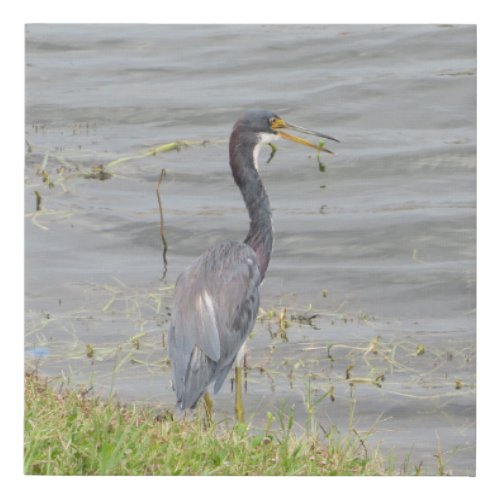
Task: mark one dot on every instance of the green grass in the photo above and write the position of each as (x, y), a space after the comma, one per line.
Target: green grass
(69, 433)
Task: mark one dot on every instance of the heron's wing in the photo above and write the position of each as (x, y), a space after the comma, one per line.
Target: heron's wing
(193, 338)
(221, 375)
(216, 302)
(194, 312)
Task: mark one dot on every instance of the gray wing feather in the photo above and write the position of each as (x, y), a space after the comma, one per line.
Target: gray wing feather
(216, 303)
(221, 376)
(194, 312)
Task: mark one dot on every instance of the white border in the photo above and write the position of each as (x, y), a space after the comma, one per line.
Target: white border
(312, 11)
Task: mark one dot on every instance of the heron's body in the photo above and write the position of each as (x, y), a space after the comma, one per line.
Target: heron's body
(217, 297)
(224, 279)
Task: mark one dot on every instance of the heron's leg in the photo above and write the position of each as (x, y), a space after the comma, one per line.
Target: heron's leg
(238, 382)
(245, 371)
(238, 403)
(208, 406)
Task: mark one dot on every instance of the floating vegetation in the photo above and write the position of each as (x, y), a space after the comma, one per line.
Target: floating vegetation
(328, 353)
(162, 223)
(283, 324)
(144, 312)
(280, 320)
(42, 172)
(41, 211)
(102, 171)
(305, 319)
(38, 198)
(136, 340)
(277, 321)
(51, 169)
(98, 172)
(383, 364)
(156, 150)
(364, 317)
(89, 351)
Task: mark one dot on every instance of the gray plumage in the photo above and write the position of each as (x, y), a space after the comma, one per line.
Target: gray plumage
(216, 304)
(217, 297)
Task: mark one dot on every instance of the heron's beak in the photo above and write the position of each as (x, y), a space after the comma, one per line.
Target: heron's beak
(279, 124)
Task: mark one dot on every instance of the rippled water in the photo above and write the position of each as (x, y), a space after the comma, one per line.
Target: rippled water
(380, 245)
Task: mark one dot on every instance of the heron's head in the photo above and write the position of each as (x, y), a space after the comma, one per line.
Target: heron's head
(267, 126)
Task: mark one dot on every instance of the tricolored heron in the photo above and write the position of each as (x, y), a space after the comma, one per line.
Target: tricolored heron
(217, 297)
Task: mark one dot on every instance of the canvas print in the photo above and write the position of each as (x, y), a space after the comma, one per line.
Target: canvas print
(250, 249)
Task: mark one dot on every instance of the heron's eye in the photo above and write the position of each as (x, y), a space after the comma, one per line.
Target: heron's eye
(273, 121)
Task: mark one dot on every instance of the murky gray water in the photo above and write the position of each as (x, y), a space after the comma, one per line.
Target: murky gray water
(381, 244)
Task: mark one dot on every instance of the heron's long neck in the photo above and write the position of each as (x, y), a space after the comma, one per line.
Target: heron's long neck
(260, 234)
